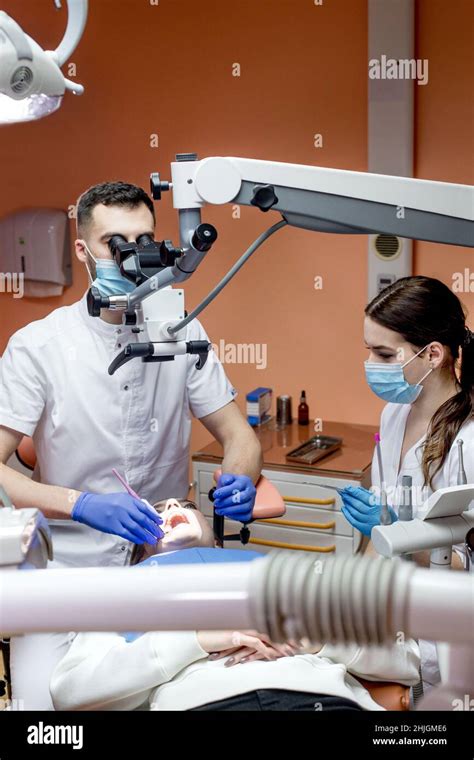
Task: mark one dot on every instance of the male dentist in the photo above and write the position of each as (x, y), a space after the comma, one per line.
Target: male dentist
(54, 386)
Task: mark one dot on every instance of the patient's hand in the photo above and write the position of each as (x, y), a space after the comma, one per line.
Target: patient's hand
(243, 646)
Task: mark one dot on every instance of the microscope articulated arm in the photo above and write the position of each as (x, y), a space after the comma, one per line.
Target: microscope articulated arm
(331, 200)
(314, 198)
(311, 197)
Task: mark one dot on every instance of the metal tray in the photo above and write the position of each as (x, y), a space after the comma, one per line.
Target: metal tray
(315, 448)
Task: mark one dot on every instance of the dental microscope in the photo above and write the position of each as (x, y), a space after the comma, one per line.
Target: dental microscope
(309, 197)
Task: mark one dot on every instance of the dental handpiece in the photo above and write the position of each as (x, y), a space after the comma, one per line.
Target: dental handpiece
(379, 459)
(405, 510)
(469, 546)
(462, 477)
(385, 518)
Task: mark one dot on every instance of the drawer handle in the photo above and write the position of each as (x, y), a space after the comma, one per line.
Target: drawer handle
(300, 500)
(298, 547)
(300, 524)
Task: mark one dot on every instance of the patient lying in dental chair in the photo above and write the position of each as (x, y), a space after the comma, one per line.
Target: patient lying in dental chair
(183, 526)
(189, 538)
(217, 670)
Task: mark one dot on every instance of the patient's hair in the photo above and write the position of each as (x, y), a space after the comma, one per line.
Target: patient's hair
(140, 551)
(110, 194)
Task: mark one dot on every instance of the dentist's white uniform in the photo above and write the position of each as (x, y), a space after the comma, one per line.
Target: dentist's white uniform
(54, 386)
(392, 430)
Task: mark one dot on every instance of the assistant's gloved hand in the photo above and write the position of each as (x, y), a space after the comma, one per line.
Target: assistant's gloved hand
(120, 514)
(362, 508)
(234, 497)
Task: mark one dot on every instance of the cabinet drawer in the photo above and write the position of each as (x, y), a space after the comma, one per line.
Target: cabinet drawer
(266, 538)
(308, 517)
(311, 518)
(307, 493)
(300, 490)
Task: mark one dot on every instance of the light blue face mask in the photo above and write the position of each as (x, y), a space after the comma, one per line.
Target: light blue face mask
(108, 277)
(388, 382)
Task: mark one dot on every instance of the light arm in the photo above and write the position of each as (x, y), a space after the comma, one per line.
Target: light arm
(76, 21)
(31, 81)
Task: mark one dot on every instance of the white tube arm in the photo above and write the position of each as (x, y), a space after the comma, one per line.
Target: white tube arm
(125, 599)
(418, 535)
(397, 598)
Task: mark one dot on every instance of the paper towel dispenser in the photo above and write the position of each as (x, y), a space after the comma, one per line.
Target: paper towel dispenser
(36, 244)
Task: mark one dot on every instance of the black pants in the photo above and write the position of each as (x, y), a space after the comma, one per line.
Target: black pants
(281, 699)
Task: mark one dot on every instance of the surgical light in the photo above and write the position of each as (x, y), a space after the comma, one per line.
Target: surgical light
(32, 84)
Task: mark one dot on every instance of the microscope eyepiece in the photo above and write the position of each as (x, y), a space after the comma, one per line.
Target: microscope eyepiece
(114, 243)
(145, 239)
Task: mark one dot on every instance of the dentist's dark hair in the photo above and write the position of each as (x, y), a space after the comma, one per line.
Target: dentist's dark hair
(110, 194)
(424, 310)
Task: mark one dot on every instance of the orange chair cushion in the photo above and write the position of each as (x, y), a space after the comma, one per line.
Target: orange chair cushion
(388, 694)
(26, 452)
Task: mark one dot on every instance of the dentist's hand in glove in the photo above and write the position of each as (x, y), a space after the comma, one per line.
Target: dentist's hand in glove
(362, 508)
(234, 497)
(120, 514)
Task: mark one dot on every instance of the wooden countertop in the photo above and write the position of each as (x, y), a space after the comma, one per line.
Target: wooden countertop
(353, 459)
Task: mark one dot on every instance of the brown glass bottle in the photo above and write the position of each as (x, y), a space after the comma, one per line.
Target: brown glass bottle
(303, 410)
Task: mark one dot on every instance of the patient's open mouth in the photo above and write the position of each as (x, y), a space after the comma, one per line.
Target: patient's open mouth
(177, 520)
(180, 526)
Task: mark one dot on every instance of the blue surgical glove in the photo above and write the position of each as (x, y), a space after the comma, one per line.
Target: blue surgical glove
(362, 509)
(234, 497)
(120, 514)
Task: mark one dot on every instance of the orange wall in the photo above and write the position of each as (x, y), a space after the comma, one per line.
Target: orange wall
(445, 121)
(166, 69)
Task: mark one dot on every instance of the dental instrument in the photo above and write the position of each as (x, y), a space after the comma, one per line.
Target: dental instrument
(128, 488)
(385, 518)
(462, 477)
(405, 510)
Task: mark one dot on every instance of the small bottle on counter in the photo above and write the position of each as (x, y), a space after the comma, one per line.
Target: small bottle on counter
(303, 410)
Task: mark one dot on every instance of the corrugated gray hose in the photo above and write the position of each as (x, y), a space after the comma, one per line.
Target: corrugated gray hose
(336, 600)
